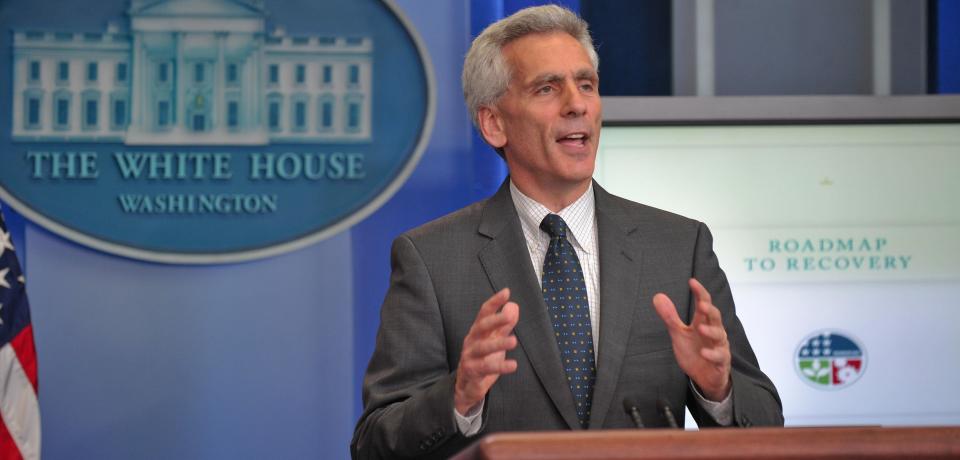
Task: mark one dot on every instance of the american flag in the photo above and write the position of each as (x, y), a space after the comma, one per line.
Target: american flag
(20, 421)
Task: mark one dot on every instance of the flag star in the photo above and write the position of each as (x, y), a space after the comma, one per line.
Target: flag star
(1, 316)
(21, 279)
(5, 242)
(3, 278)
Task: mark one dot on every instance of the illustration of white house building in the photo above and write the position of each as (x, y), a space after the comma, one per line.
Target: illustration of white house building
(191, 72)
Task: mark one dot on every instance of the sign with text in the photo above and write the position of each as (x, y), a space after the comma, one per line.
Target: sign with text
(210, 131)
(840, 243)
(803, 203)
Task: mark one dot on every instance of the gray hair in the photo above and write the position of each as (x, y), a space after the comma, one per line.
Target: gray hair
(485, 71)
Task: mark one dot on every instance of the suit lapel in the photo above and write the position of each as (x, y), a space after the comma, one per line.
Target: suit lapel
(619, 285)
(506, 262)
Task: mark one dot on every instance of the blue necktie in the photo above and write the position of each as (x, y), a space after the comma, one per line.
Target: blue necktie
(565, 293)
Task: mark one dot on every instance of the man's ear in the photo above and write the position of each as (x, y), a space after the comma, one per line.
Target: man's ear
(491, 127)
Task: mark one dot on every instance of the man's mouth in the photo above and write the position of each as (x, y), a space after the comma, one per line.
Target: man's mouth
(574, 139)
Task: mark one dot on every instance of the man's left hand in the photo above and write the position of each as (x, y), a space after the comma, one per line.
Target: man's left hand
(701, 348)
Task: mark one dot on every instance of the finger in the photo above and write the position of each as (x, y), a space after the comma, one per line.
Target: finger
(705, 308)
(709, 314)
(481, 369)
(667, 311)
(719, 356)
(511, 313)
(499, 324)
(491, 312)
(714, 333)
(505, 366)
(483, 348)
(493, 304)
(700, 293)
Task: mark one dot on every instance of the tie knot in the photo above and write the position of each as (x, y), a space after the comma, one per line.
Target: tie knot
(554, 226)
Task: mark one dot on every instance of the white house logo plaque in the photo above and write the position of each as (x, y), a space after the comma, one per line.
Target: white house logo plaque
(205, 131)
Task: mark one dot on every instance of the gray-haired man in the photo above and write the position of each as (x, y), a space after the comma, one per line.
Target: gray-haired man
(548, 305)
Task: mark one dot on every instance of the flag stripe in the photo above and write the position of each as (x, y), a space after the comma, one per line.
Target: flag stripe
(8, 448)
(19, 408)
(26, 352)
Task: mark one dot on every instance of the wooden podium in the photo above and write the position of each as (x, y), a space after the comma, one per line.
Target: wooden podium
(724, 444)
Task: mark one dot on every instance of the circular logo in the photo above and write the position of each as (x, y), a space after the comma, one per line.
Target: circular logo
(830, 360)
(209, 131)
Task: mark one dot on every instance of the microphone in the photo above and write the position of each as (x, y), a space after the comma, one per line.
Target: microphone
(664, 408)
(631, 408)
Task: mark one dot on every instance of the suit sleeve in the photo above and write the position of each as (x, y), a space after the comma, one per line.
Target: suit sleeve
(408, 387)
(755, 399)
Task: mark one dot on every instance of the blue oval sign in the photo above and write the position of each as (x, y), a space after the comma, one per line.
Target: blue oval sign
(210, 130)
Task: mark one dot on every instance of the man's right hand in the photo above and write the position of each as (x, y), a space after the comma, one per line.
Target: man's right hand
(484, 355)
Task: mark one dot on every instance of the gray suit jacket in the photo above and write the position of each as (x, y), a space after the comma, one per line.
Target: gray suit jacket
(444, 270)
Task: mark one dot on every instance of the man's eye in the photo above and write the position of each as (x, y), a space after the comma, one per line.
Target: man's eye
(545, 90)
(586, 87)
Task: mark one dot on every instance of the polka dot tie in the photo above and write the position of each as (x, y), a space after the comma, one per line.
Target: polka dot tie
(565, 294)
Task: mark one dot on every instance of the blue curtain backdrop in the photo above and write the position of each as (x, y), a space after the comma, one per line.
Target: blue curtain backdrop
(947, 44)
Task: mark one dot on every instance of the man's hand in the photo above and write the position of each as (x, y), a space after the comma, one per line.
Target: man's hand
(484, 355)
(701, 348)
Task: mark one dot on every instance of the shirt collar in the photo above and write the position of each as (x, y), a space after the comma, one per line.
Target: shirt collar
(580, 216)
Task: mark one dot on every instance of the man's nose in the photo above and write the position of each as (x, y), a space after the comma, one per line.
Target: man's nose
(574, 103)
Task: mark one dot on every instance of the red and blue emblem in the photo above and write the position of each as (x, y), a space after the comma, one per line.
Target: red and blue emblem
(830, 360)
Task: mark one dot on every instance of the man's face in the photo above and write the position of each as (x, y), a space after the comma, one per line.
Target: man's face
(548, 121)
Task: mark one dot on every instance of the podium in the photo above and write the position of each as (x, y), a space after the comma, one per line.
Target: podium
(867, 443)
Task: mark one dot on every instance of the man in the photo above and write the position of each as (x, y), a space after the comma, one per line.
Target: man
(491, 314)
